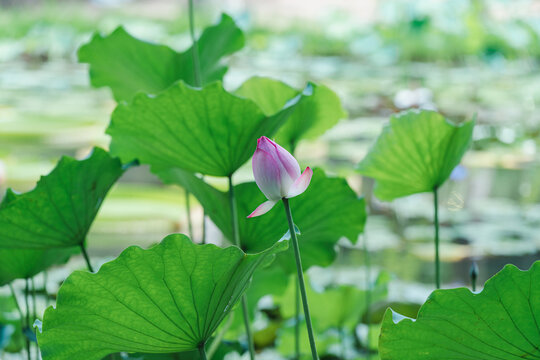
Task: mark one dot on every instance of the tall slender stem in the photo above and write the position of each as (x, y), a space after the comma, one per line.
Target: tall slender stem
(188, 213)
(198, 83)
(436, 223)
(236, 237)
(297, 322)
(34, 311)
(27, 325)
(367, 263)
(86, 257)
(217, 339)
(16, 303)
(195, 47)
(203, 240)
(474, 275)
(300, 273)
(202, 352)
(19, 310)
(296, 295)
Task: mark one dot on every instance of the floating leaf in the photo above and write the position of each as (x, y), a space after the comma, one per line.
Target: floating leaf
(208, 131)
(128, 65)
(58, 212)
(326, 212)
(501, 322)
(167, 299)
(310, 119)
(415, 153)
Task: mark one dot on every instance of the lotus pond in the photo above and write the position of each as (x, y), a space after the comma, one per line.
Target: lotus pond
(424, 176)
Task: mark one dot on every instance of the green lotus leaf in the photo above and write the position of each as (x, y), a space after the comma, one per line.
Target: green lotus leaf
(167, 299)
(128, 65)
(58, 212)
(326, 212)
(415, 153)
(310, 119)
(26, 263)
(208, 131)
(501, 322)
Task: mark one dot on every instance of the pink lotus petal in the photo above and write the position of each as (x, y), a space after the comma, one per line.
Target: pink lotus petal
(267, 174)
(301, 184)
(263, 208)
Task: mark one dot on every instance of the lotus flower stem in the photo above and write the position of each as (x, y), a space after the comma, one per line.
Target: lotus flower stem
(297, 321)
(236, 237)
(202, 352)
(86, 257)
(301, 283)
(195, 48)
(436, 223)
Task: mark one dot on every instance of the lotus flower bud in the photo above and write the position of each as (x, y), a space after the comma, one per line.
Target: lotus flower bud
(277, 174)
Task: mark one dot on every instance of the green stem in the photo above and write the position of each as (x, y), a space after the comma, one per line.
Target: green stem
(86, 258)
(188, 213)
(34, 312)
(297, 322)
(436, 223)
(367, 263)
(217, 340)
(19, 310)
(236, 238)
(342, 341)
(45, 293)
(300, 273)
(27, 325)
(474, 275)
(202, 352)
(195, 47)
(16, 303)
(203, 240)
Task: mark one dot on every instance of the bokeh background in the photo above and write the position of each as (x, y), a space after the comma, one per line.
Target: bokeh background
(463, 58)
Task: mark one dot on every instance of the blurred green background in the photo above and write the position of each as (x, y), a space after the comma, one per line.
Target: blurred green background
(460, 57)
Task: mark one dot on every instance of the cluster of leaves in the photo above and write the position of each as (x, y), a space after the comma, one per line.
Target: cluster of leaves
(173, 297)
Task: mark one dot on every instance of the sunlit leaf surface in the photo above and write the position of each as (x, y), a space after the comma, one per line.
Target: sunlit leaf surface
(167, 299)
(501, 322)
(209, 131)
(415, 153)
(128, 65)
(58, 212)
(310, 119)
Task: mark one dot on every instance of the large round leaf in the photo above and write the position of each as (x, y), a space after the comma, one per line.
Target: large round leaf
(58, 212)
(128, 65)
(167, 299)
(326, 212)
(310, 119)
(502, 322)
(415, 153)
(207, 130)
